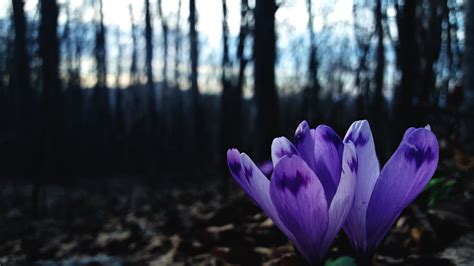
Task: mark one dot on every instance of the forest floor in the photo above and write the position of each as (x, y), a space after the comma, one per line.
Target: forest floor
(120, 222)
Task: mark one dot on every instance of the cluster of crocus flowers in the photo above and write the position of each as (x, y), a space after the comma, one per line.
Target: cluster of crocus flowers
(320, 184)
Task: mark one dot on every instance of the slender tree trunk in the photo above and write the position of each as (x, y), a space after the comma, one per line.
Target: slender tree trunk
(243, 35)
(118, 71)
(177, 45)
(148, 45)
(20, 78)
(51, 96)
(408, 55)
(100, 50)
(378, 101)
(469, 57)
(100, 91)
(49, 52)
(225, 45)
(432, 48)
(193, 38)
(22, 97)
(231, 94)
(265, 91)
(311, 94)
(149, 61)
(468, 105)
(133, 65)
(165, 29)
(198, 125)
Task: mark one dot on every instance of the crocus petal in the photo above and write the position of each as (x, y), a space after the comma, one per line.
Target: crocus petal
(322, 149)
(282, 147)
(403, 177)
(342, 201)
(304, 142)
(299, 199)
(255, 185)
(234, 163)
(367, 173)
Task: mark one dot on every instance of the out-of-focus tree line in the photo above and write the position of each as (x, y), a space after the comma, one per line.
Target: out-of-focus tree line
(397, 64)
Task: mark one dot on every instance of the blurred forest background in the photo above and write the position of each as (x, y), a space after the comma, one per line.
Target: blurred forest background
(156, 91)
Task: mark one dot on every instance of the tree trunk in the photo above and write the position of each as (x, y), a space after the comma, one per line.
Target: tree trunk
(177, 45)
(193, 39)
(148, 46)
(408, 53)
(197, 123)
(165, 29)
(265, 92)
(432, 48)
(20, 78)
(378, 101)
(133, 65)
(468, 105)
(118, 70)
(100, 50)
(243, 34)
(469, 57)
(311, 93)
(231, 95)
(51, 96)
(149, 60)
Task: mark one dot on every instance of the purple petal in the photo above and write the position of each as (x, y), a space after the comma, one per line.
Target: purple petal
(367, 173)
(282, 147)
(342, 201)
(299, 199)
(322, 149)
(234, 163)
(403, 177)
(304, 142)
(255, 184)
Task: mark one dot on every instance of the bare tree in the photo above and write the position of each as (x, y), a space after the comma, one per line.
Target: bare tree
(243, 35)
(380, 59)
(49, 50)
(408, 56)
(193, 39)
(231, 92)
(469, 57)
(133, 65)
(148, 46)
(468, 104)
(197, 121)
(20, 78)
(225, 45)
(311, 92)
(149, 67)
(362, 37)
(101, 100)
(118, 70)
(265, 91)
(177, 44)
(432, 40)
(100, 50)
(51, 97)
(165, 30)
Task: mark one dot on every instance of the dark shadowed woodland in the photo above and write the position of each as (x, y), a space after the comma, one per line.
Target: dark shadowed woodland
(113, 136)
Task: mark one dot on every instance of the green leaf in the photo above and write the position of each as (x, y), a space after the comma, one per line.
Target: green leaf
(341, 261)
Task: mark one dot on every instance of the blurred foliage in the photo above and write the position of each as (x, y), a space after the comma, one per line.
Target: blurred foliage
(341, 261)
(439, 188)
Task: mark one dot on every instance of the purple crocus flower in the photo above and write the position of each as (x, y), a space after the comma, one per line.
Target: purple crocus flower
(311, 187)
(381, 195)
